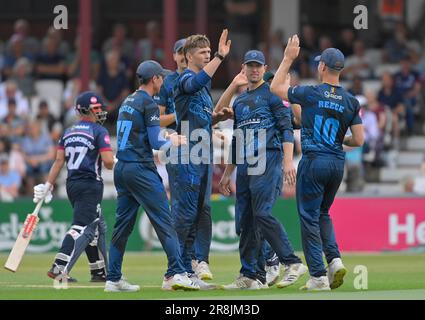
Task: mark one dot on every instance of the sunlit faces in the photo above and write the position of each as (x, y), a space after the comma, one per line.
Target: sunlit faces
(199, 57)
(254, 71)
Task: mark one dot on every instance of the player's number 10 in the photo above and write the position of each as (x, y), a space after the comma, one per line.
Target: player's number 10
(325, 131)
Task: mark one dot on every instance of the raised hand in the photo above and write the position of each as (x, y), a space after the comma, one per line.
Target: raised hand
(292, 48)
(240, 79)
(224, 44)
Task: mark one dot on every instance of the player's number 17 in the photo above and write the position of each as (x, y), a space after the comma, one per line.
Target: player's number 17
(123, 127)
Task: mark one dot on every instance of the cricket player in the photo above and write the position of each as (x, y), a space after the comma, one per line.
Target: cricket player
(328, 111)
(259, 111)
(83, 147)
(139, 184)
(168, 119)
(192, 169)
(272, 260)
(165, 99)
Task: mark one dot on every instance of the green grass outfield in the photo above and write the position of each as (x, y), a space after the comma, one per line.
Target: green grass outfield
(390, 276)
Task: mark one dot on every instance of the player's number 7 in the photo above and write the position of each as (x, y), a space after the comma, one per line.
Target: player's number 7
(123, 127)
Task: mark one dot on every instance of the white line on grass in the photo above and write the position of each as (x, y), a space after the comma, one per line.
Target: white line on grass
(70, 286)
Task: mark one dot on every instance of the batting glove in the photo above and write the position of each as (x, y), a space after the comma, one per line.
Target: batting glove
(43, 191)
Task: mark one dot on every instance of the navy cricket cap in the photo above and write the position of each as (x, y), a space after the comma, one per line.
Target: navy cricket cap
(147, 69)
(87, 99)
(254, 56)
(179, 45)
(333, 58)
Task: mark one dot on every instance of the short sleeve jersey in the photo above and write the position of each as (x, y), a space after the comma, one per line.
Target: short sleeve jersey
(260, 109)
(83, 143)
(327, 113)
(137, 112)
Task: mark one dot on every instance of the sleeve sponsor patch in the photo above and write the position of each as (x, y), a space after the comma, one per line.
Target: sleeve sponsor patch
(107, 139)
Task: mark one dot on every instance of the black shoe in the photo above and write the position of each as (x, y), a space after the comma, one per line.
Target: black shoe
(98, 278)
(56, 274)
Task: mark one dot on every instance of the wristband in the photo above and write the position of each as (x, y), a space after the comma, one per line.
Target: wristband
(219, 56)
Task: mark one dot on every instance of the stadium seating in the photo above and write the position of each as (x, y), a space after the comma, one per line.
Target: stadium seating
(52, 91)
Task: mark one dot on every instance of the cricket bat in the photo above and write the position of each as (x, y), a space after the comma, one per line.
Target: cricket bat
(23, 239)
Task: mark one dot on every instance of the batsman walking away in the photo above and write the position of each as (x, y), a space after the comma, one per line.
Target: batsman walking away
(83, 147)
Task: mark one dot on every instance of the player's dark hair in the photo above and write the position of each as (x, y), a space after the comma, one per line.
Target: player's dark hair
(194, 42)
(144, 82)
(333, 71)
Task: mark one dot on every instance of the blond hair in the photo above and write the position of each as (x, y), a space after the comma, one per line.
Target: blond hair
(195, 41)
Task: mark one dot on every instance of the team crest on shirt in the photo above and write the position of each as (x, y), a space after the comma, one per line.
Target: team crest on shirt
(245, 112)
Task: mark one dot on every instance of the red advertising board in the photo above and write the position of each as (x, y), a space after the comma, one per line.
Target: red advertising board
(363, 224)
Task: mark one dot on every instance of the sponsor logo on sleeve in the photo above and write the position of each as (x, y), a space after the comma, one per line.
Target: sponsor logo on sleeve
(107, 139)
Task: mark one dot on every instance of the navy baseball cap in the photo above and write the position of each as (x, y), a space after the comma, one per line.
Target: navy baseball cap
(333, 58)
(254, 56)
(147, 69)
(179, 45)
(87, 99)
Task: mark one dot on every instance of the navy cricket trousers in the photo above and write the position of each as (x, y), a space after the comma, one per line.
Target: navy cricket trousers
(255, 197)
(139, 184)
(191, 209)
(203, 234)
(318, 180)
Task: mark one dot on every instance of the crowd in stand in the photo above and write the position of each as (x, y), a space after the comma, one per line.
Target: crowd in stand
(39, 81)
